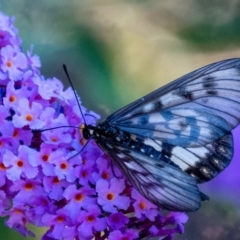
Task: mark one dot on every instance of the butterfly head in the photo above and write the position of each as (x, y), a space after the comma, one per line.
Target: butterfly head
(87, 131)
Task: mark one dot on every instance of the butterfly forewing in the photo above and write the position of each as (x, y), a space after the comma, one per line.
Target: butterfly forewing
(192, 111)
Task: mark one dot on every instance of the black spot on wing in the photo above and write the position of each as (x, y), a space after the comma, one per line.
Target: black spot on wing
(208, 78)
(224, 146)
(209, 83)
(212, 92)
(186, 94)
(167, 149)
(183, 125)
(205, 171)
(158, 105)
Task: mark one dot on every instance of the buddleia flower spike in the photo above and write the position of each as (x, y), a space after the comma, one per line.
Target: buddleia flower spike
(47, 177)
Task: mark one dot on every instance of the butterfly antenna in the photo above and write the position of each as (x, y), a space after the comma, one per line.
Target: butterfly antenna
(79, 152)
(47, 129)
(66, 72)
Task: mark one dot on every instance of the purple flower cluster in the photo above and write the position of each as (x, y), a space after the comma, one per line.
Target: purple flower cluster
(43, 179)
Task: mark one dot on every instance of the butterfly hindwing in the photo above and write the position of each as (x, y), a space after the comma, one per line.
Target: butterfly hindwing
(162, 184)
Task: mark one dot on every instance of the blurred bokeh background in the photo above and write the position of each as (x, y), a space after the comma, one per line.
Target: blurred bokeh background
(116, 51)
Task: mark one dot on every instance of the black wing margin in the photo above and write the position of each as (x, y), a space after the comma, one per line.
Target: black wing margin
(164, 185)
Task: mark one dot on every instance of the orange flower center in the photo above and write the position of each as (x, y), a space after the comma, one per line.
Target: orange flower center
(20, 163)
(2, 167)
(54, 139)
(105, 175)
(110, 196)
(79, 197)
(82, 141)
(1, 143)
(84, 174)
(44, 202)
(45, 157)
(18, 211)
(60, 219)
(63, 166)
(12, 99)
(142, 205)
(90, 218)
(9, 63)
(15, 133)
(29, 186)
(56, 180)
(29, 117)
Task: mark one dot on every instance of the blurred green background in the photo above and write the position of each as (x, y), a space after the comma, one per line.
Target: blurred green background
(117, 51)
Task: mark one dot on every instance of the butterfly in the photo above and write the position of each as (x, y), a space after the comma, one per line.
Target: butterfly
(177, 136)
